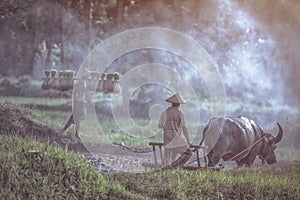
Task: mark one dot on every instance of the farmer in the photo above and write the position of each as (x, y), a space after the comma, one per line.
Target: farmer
(81, 103)
(172, 121)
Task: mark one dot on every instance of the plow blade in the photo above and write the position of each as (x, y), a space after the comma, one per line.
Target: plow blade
(182, 159)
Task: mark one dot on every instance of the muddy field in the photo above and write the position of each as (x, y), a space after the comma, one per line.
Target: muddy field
(111, 158)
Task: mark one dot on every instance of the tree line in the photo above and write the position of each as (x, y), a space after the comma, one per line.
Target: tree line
(40, 34)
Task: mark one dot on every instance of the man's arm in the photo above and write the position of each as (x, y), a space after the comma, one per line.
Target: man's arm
(186, 135)
(185, 129)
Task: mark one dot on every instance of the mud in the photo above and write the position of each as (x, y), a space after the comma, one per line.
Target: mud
(111, 160)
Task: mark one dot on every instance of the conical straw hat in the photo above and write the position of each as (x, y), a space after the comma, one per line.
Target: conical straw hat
(176, 98)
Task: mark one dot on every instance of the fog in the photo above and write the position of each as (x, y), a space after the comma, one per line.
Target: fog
(255, 45)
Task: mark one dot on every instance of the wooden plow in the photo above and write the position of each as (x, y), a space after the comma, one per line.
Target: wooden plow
(180, 162)
(108, 83)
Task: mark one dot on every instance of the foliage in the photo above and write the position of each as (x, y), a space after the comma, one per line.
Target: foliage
(32, 170)
(240, 183)
(46, 33)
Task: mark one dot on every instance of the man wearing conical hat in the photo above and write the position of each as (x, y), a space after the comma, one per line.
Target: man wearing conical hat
(172, 121)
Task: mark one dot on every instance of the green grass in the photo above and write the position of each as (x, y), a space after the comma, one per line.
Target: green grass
(33, 170)
(243, 183)
(284, 153)
(13, 114)
(54, 119)
(112, 133)
(90, 131)
(204, 104)
(57, 119)
(37, 101)
(51, 118)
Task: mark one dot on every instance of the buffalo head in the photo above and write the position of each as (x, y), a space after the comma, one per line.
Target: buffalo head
(269, 145)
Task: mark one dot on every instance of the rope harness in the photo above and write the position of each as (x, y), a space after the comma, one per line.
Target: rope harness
(247, 149)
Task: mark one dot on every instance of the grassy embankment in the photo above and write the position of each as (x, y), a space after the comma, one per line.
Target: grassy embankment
(48, 112)
(34, 170)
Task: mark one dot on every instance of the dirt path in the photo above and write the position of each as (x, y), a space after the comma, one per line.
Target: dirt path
(111, 158)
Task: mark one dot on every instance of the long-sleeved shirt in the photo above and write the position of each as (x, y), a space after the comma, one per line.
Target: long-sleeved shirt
(172, 121)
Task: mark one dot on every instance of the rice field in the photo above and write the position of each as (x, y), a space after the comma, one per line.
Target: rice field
(38, 170)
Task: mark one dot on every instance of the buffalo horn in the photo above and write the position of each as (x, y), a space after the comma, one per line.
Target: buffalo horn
(279, 135)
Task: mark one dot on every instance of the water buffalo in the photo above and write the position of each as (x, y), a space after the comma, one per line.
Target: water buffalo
(239, 139)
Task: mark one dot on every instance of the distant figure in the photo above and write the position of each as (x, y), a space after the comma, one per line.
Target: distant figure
(172, 121)
(81, 101)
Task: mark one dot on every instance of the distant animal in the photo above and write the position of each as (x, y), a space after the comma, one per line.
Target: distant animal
(239, 139)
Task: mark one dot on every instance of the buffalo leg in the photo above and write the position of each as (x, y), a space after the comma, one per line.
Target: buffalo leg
(249, 160)
(239, 163)
(213, 159)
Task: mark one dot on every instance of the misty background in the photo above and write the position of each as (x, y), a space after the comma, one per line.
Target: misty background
(254, 43)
